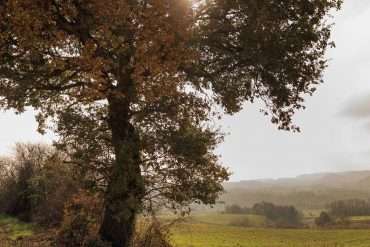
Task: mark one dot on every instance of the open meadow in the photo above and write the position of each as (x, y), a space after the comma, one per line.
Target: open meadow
(213, 231)
(218, 230)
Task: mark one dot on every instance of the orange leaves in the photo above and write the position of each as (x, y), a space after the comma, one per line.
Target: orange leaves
(28, 20)
(162, 48)
(110, 12)
(104, 41)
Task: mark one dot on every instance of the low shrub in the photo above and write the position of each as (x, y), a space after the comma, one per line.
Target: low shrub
(81, 221)
(324, 220)
(151, 233)
(35, 183)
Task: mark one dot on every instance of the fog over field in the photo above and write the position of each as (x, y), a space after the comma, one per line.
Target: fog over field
(335, 126)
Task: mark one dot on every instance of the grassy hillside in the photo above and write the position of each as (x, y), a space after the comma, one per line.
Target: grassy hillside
(340, 180)
(304, 192)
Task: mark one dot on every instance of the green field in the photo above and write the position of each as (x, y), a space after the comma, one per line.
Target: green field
(215, 231)
(360, 218)
(205, 235)
(228, 219)
(11, 228)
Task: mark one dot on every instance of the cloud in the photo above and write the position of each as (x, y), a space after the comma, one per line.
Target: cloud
(358, 108)
(357, 8)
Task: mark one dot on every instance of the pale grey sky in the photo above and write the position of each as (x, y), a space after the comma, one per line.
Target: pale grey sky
(335, 133)
(335, 127)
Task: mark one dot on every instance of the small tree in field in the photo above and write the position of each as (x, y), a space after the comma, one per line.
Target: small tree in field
(131, 86)
(324, 219)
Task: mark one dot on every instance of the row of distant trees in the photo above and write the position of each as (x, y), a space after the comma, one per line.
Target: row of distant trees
(288, 216)
(339, 211)
(347, 208)
(340, 208)
(280, 216)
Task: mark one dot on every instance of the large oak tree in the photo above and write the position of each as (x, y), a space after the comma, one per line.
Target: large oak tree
(131, 86)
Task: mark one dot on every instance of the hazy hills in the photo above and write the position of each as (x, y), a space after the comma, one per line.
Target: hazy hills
(312, 191)
(331, 180)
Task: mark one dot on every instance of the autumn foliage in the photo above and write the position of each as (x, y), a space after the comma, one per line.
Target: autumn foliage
(132, 87)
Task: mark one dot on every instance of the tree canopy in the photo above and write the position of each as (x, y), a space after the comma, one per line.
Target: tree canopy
(131, 87)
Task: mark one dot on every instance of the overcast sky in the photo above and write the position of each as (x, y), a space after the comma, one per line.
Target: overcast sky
(335, 127)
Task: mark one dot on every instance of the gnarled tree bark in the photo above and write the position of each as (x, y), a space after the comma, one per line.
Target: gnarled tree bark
(126, 188)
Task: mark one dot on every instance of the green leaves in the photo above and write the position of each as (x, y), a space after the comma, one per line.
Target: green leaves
(271, 50)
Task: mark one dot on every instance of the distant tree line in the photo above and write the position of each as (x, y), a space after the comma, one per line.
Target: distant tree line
(237, 209)
(338, 213)
(347, 208)
(318, 198)
(280, 216)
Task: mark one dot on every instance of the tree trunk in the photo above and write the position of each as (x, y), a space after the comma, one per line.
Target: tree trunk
(126, 188)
